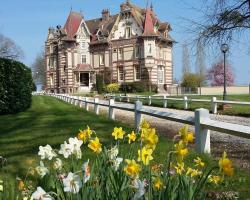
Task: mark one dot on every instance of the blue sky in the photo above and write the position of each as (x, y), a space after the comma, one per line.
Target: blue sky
(27, 23)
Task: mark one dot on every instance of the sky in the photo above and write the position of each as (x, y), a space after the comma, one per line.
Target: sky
(27, 22)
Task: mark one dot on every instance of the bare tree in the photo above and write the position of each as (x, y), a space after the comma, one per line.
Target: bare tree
(200, 63)
(39, 70)
(224, 20)
(8, 48)
(185, 60)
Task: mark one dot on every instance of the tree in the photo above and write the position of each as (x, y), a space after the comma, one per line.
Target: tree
(191, 81)
(39, 70)
(224, 20)
(8, 49)
(216, 74)
(200, 63)
(185, 60)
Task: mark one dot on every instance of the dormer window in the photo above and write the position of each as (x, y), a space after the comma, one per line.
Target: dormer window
(101, 59)
(83, 59)
(149, 48)
(137, 51)
(82, 45)
(128, 32)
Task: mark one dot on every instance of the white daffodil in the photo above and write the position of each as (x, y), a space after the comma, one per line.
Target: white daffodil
(46, 152)
(113, 152)
(40, 194)
(116, 163)
(42, 170)
(1, 188)
(86, 171)
(57, 164)
(65, 150)
(75, 145)
(72, 183)
(140, 186)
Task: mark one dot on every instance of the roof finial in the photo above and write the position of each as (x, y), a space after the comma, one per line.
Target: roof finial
(147, 4)
(81, 13)
(127, 2)
(151, 6)
(70, 8)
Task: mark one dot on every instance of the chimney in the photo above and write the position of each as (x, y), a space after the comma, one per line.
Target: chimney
(105, 14)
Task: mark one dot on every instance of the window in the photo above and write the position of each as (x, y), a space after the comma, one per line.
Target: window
(137, 51)
(101, 59)
(51, 79)
(52, 62)
(137, 72)
(121, 73)
(128, 32)
(120, 54)
(82, 45)
(64, 68)
(83, 59)
(160, 75)
(63, 81)
(160, 52)
(149, 48)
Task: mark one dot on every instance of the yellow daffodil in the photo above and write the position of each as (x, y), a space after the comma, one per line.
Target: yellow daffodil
(214, 179)
(21, 185)
(84, 134)
(226, 165)
(118, 133)
(150, 137)
(193, 172)
(131, 137)
(132, 168)
(181, 151)
(95, 145)
(198, 162)
(179, 168)
(156, 168)
(158, 184)
(145, 155)
(185, 135)
(144, 124)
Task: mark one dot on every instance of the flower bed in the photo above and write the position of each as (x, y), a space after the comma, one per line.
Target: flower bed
(62, 174)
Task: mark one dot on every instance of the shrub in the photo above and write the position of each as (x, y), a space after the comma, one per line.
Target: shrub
(15, 86)
(114, 174)
(113, 88)
(99, 83)
(191, 81)
(138, 86)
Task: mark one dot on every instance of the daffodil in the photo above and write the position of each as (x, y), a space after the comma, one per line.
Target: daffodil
(57, 164)
(72, 183)
(144, 124)
(193, 172)
(131, 137)
(150, 137)
(145, 155)
(226, 165)
(21, 185)
(181, 151)
(95, 145)
(40, 194)
(42, 170)
(179, 168)
(118, 133)
(198, 162)
(185, 135)
(140, 187)
(132, 168)
(158, 184)
(214, 179)
(84, 135)
(86, 171)
(113, 152)
(46, 152)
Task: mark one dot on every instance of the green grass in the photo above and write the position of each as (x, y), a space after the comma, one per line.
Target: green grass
(236, 110)
(50, 121)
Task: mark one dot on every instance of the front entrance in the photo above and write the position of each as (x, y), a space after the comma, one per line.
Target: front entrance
(84, 79)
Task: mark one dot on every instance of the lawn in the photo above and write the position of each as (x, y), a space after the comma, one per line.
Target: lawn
(236, 110)
(50, 121)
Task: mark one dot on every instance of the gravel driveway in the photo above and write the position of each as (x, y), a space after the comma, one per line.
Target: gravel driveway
(238, 148)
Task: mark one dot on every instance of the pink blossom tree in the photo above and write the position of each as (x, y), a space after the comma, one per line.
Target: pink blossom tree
(216, 74)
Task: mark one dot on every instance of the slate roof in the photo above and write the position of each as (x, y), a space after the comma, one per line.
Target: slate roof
(83, 68)
(72, 24)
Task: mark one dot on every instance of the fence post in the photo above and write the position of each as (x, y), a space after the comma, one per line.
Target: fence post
(165, 101)
(185, 101)
(149, 100)
(202, 135)
(77, 101)
(86, 104)
(80, 102)
(128, 100)
(111, 109)
(96, 106)
(138, 107)
(120, 97)
(214, 105)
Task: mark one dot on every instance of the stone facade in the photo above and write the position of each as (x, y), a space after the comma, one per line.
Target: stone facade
(133, 45)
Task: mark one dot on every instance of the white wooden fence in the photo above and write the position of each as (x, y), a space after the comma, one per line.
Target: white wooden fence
(164, 99)
(203, 124)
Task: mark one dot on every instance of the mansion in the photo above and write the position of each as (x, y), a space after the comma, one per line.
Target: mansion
(133, 45)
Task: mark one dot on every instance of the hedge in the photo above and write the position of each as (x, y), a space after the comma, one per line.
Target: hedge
(15, 86)
(138, 86)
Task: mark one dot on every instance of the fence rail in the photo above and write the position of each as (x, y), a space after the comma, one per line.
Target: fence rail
(201, 121)
(164, 99)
